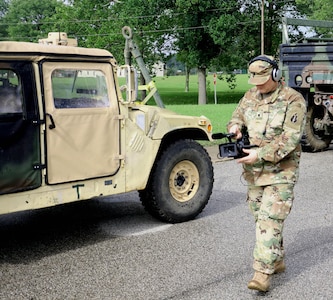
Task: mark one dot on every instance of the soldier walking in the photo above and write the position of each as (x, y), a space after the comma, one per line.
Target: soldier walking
(274, 116)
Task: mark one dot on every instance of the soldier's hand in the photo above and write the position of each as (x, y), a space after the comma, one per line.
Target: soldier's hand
(235, 130)
(251, 158)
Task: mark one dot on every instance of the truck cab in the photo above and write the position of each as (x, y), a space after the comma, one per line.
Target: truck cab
(307, 67)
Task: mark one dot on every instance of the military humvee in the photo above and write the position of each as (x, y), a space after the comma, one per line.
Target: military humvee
(70, 132)
(308, 68)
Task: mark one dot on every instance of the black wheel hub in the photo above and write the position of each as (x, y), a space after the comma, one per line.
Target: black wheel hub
(180, 180)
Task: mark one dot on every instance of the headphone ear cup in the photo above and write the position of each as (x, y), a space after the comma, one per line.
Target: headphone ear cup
(276, 74)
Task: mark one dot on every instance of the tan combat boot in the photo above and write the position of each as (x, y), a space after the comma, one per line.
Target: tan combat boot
(260, 282)
(279, 267)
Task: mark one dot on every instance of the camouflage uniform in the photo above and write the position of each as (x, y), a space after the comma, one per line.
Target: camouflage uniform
(275, 123)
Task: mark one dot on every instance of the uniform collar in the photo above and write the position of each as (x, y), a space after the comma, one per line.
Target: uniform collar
(270, 97)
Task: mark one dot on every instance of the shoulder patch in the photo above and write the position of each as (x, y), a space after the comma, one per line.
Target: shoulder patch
(294, 118)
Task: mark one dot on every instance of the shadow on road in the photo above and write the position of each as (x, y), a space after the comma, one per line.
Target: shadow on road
(31, 235)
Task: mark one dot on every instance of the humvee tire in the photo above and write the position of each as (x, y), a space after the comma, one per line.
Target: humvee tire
(180, 183)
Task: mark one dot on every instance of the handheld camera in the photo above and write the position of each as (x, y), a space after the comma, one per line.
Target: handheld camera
(233, 149)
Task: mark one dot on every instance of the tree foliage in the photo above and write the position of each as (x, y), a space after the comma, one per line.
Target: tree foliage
(196, 46)
(3, 11)
(86, 20)
(28, 20)
(316, 9)
(205, 34)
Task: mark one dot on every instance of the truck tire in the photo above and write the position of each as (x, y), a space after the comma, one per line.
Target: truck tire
(180, 183)
(314, 140)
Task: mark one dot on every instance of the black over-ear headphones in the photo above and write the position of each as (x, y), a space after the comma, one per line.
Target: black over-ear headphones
(276, 72)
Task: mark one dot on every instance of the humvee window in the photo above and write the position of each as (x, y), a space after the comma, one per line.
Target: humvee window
(79, 89)
(10, 95)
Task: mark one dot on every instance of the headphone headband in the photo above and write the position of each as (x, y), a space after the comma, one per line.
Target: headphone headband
(266, 59)
(276, 73)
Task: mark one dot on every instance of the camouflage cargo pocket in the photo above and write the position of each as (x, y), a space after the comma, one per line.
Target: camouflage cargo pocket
(280, 200)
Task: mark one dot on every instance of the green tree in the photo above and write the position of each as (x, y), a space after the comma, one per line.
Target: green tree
(196, 46)
(206, 34)
(3, 11)
(316, 9)
(28, 20)
(150, 23)
(86, 20)
(237, 30)
(99, 24)
(236, 33)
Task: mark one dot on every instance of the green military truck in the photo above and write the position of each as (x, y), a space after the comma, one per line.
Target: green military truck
(308, 68)
(69, 132)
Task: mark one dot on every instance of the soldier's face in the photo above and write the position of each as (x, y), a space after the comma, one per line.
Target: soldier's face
(267, 87)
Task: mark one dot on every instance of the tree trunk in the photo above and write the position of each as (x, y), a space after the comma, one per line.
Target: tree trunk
(202, 95)
(187, 79)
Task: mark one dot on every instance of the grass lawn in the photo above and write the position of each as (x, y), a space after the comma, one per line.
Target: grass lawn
(172, 91)
(219, 114)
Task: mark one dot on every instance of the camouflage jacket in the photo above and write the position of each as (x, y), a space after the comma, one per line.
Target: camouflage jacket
(275, 125)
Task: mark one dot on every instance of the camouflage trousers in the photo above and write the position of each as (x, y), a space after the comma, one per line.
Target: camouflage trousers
(270, 206)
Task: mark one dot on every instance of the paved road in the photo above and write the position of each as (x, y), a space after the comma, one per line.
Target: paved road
(112, 249)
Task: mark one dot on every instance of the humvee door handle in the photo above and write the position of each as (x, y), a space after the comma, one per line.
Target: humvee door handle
(52, 125)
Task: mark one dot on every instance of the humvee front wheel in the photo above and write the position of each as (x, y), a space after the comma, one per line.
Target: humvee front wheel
(180, 183)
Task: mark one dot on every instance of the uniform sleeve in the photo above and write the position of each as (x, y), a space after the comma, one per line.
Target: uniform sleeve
(237, 117)
(286, 142)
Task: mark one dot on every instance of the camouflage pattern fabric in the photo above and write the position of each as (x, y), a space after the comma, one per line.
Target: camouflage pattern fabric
(270, 206)
(275, 124)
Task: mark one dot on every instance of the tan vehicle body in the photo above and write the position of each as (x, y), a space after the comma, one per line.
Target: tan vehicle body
(107, 146)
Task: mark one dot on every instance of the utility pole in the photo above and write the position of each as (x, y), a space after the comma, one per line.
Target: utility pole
(262, 26)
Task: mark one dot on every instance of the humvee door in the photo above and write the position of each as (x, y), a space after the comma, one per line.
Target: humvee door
(20, 158)
(82, 123)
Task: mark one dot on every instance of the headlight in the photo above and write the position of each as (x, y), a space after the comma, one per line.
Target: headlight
(308, 79)
(298, 80)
